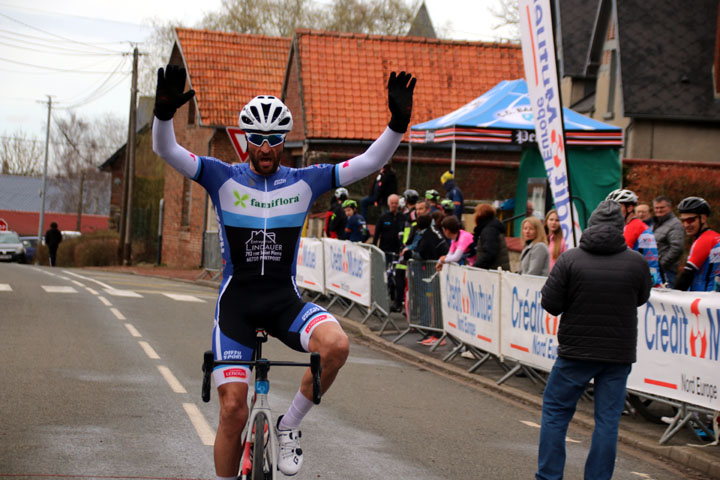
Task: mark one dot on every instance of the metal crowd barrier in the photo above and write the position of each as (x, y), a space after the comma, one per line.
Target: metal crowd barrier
(423, 305)
(212, 258)
(379, 294)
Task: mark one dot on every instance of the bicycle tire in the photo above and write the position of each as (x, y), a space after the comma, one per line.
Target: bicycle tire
(262, 463)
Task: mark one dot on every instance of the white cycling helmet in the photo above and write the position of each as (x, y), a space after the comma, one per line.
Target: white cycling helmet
(266, 114)
(623, 196)
(342, 191)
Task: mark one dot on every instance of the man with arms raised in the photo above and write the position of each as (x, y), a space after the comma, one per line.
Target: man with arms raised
(261, 208)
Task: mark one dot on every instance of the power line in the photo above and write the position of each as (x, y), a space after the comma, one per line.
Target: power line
(99, 91)
(53, 142)
(44, 39)
(64, 70)
(56, 52)
(60, 14)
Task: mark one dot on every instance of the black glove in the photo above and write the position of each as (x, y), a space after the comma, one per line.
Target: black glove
(400, 98)
(169, 94)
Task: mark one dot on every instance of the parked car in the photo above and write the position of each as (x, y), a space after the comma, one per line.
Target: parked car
(31, 245)
(11, 248)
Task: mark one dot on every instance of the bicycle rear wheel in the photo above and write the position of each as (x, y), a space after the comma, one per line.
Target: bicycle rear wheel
(262, 457)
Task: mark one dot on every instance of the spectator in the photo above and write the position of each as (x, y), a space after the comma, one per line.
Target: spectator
(670, 238)
(421, 207)
(53, 238)
(489, 237)
(642, 212)
(597, 288)
(336, 219)
(535, 257)
(355, 228)
(556, 241)
(453, 193)
(384, 185)
(702, 269)
(389, 229)
(433, 197)
(462, 247)
(638, 235)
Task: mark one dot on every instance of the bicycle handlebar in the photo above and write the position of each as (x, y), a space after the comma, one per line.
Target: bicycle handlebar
(209, 363)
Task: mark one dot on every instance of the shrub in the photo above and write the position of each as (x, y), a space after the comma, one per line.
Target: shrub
(92, 249)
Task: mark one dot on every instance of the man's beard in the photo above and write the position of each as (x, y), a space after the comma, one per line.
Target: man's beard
(255, 161)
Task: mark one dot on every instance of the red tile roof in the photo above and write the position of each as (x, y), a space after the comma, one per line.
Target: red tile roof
(228, 69)
(343, 78)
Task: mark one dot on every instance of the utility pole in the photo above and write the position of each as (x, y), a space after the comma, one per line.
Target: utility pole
(125, 244)
(45, 167)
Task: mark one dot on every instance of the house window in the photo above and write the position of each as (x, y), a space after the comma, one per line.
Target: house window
(186, 202)
(612, 85)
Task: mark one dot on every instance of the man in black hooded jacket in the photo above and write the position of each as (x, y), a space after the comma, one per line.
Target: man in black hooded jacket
(597, 288)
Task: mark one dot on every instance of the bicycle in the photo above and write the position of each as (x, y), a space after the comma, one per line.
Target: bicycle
(259, 445)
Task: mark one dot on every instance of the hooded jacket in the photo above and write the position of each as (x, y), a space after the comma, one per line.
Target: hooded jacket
(597, 289)
(492, 251)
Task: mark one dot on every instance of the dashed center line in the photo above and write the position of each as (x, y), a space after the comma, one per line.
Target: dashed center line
(94, 292)
(58, 289)
(105, 301)
(5, 287)
(133, 331)
(117, 313)
(149, 350)
(203, 429)
(78, 283)
(174, 383)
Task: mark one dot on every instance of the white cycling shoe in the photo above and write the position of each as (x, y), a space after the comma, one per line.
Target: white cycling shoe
(290, 454)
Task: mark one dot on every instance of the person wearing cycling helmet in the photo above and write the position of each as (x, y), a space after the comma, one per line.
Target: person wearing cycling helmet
(261, 208)
(336, 218)
(638, 235)
(703, 263)
(453, 194)
(356, 227)
(432, 196)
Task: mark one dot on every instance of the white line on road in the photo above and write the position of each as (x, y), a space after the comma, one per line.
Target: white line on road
(642, 475)
(5, 287)
(117, 314)
(105, 301)
(122, 293)
(104, 285)
(535, 425)
(133, 331)
(171, 379)
(206, 434)
(149, 350)
(58, 289)
(183, 298)
(77, 283)
(94, 292)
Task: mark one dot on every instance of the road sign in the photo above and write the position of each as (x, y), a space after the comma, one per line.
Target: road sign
(237, 137)
(3, 225)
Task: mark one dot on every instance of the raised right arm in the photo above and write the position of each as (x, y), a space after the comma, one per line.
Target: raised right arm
(165, 145)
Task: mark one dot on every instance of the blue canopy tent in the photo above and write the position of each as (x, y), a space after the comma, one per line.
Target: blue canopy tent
(503, 116)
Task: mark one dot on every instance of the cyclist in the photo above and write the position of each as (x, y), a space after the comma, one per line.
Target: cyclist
(261, 208)
(432, 196)
(337, 218)
(702, 269)
(355, 228)
(638, 235)
(453, 193)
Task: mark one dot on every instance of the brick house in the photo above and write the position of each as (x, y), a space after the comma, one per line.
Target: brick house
(335, 85)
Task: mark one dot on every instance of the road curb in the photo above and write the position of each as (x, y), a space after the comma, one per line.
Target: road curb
(682, 455)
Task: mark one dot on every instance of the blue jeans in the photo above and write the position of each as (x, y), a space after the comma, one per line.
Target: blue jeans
(566, 384)
(670, 278)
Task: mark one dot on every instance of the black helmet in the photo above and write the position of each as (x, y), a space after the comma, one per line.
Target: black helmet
(411, 196)
(694, 205)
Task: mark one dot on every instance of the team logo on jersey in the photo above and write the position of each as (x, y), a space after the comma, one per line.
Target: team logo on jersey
(262, 246)
(240, 199)
(279, 181)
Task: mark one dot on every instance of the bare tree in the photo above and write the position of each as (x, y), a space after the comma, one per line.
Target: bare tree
(383, 17)
(507, 12)
(21, 154)
(79, 147)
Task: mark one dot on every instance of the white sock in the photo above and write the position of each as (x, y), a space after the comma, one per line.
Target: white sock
(298, 409)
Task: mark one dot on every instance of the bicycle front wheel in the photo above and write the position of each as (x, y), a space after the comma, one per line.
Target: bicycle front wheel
(262, 461)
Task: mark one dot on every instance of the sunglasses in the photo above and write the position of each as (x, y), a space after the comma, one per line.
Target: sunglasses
(273, 140)
(689, 220)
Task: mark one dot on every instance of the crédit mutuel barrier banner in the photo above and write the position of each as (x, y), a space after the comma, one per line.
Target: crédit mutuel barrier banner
(678, 347)
(471, 306)
(536, 31)
(347, 270)
(310, 268)
(528, 333)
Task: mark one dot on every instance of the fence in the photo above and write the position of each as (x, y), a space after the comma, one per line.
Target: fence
(423, 305)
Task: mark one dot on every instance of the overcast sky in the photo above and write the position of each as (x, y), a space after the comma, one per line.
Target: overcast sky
(45, 44)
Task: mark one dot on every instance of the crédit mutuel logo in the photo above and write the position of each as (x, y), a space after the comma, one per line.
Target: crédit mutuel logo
(241, 199)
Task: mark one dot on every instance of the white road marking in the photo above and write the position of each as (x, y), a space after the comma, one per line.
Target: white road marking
(206, 434)
(104, 285)
(133, 331)
(94, 292)
(5, 287)
(535, 425)
(64, 278)
(149, 350)
(183, 298)
(105, 301)
(117, 314)
(171, 379)
(58, 289)
(78, 283)
(642, 475)
(122, 293)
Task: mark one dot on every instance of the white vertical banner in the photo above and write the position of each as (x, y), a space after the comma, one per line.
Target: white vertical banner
(678, 347)
(471, 306)
(310, 267)
(538, 47)
(529, 333)
(347, 270)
